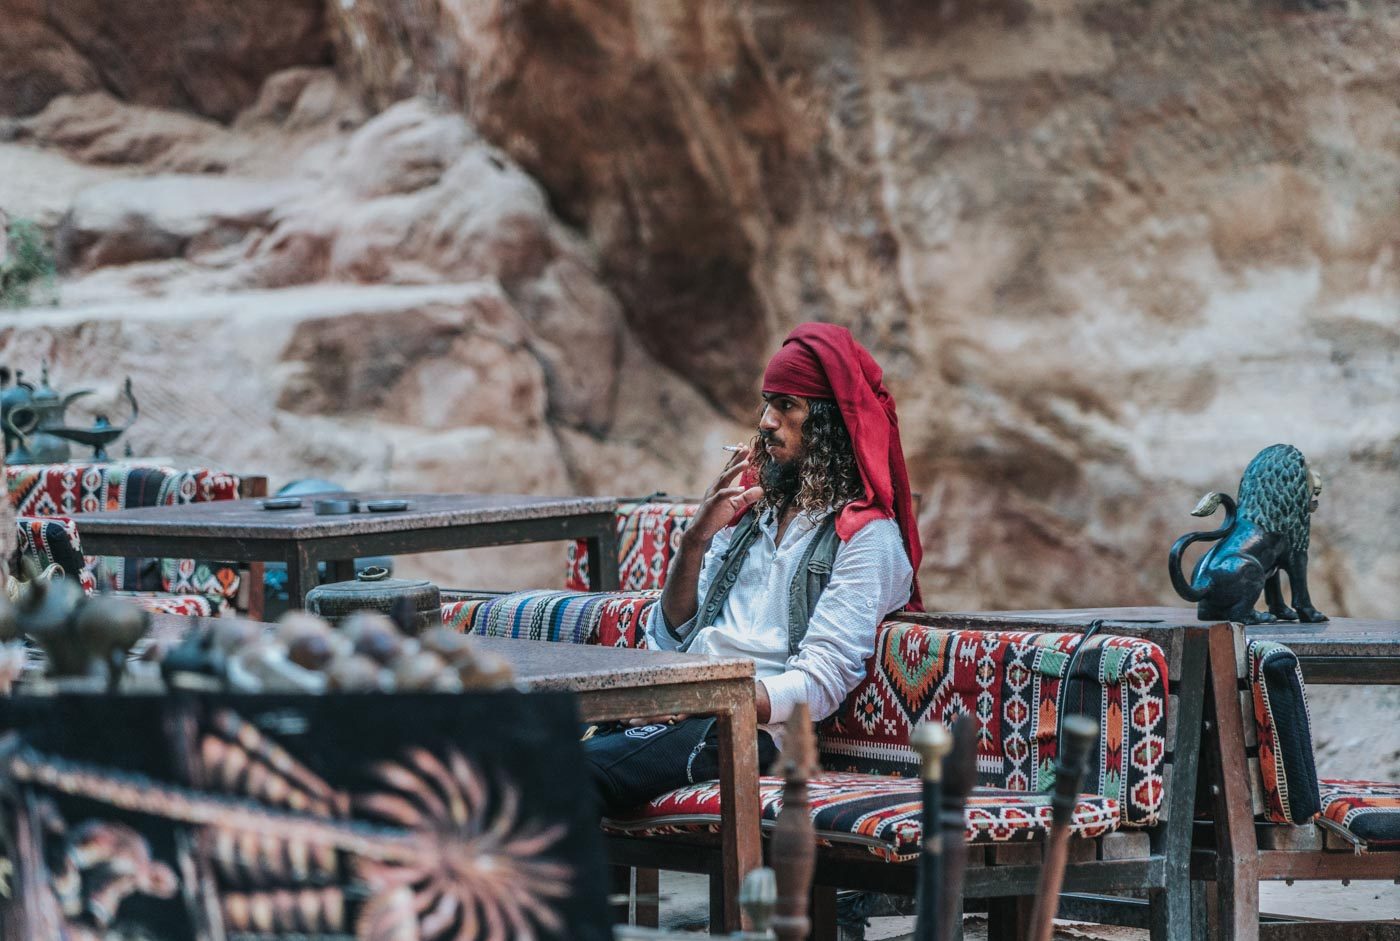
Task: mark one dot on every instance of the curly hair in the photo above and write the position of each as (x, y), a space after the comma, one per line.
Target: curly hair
(828, 475)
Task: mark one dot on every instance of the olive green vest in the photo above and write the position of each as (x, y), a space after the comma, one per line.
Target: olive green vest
(807, 585)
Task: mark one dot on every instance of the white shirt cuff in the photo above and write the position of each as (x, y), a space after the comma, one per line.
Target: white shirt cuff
(659, 634)
(785, 690)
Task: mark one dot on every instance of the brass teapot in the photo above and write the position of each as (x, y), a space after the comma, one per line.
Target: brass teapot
(32, 420)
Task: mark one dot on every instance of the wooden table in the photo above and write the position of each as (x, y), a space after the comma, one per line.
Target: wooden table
(241, 531)
(620, 683)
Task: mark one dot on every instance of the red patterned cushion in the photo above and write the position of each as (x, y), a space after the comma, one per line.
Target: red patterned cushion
(882, 814)
(648, 535)
(1013, 683)
(1369, 809)
(1284, 728)
(606, 619)
(63, 489)
(198, 606)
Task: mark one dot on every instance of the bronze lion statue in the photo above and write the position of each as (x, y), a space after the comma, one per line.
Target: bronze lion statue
(1265, 534)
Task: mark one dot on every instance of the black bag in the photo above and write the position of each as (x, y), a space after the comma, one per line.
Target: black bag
(633, 765)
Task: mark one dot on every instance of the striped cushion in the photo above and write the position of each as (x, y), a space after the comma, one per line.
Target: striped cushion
(612, 619)
(1369, 809)
(882, 814)
(1286, 767)
(1013, 683)
(648, 535)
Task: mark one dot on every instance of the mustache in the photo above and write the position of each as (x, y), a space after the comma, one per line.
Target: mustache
(767, 437)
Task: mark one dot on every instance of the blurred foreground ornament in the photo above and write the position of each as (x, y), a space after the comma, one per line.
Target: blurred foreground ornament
(1266, 533)
(366, 653)
(1079, 735)
(82, 636)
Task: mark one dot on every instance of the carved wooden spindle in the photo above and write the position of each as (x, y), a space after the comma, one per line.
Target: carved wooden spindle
(932, 741)
(1080, 733)
(959, 777)
(794, 850)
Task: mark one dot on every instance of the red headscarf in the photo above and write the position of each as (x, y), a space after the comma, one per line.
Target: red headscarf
(823, 361)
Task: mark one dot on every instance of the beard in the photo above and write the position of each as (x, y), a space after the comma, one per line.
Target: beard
(780, 480)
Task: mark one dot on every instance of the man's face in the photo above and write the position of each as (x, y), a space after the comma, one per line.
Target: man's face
(780, 427)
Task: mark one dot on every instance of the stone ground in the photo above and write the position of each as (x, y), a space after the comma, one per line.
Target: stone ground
(685, 903)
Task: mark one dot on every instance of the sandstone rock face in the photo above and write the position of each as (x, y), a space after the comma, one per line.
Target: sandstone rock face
(385, 302)
(1106, 252)
(203, 56)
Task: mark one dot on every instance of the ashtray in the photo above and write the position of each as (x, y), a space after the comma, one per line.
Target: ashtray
(386, 506)
(281, 503)
(336, 506)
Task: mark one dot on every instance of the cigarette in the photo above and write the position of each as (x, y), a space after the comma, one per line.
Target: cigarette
(735, 447)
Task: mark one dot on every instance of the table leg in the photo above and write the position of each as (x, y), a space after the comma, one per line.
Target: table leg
(741, 846)
(301, 575)
(602, 559)
(341, 570)
(1237, 849)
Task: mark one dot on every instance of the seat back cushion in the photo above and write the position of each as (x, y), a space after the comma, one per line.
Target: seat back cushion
(1287, 770)
(648, 535)
(608, 619)
(1013, 683)
(68, 489)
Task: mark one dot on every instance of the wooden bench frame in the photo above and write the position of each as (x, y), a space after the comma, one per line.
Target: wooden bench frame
(250, 488)
(1236, 853)
(1007, 874)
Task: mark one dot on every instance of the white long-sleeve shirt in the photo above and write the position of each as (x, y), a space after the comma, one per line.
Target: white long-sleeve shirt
(870, 577)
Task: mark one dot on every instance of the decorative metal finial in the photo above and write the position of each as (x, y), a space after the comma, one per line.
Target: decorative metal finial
(757, 897)
(932, 741)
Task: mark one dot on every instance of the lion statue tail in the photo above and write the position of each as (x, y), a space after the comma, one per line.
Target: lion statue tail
(1208, 505)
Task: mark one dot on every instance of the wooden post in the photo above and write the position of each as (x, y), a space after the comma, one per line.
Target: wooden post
(932, 741)
(250, 488)
(1079, 735)
(1237, 849)
(959, 777)
(794, 849)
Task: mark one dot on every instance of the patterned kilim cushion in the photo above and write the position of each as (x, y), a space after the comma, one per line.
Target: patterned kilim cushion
(1285, 733)
(882, 814)
(44, 541)
(157, 602)
(1369, 809)
(1013, 683)
(648, 535)
(606, 619)
(65, 489)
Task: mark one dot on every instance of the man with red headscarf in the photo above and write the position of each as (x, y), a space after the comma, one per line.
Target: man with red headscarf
(798, 550)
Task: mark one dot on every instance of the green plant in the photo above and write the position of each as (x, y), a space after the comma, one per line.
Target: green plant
(27, 269)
